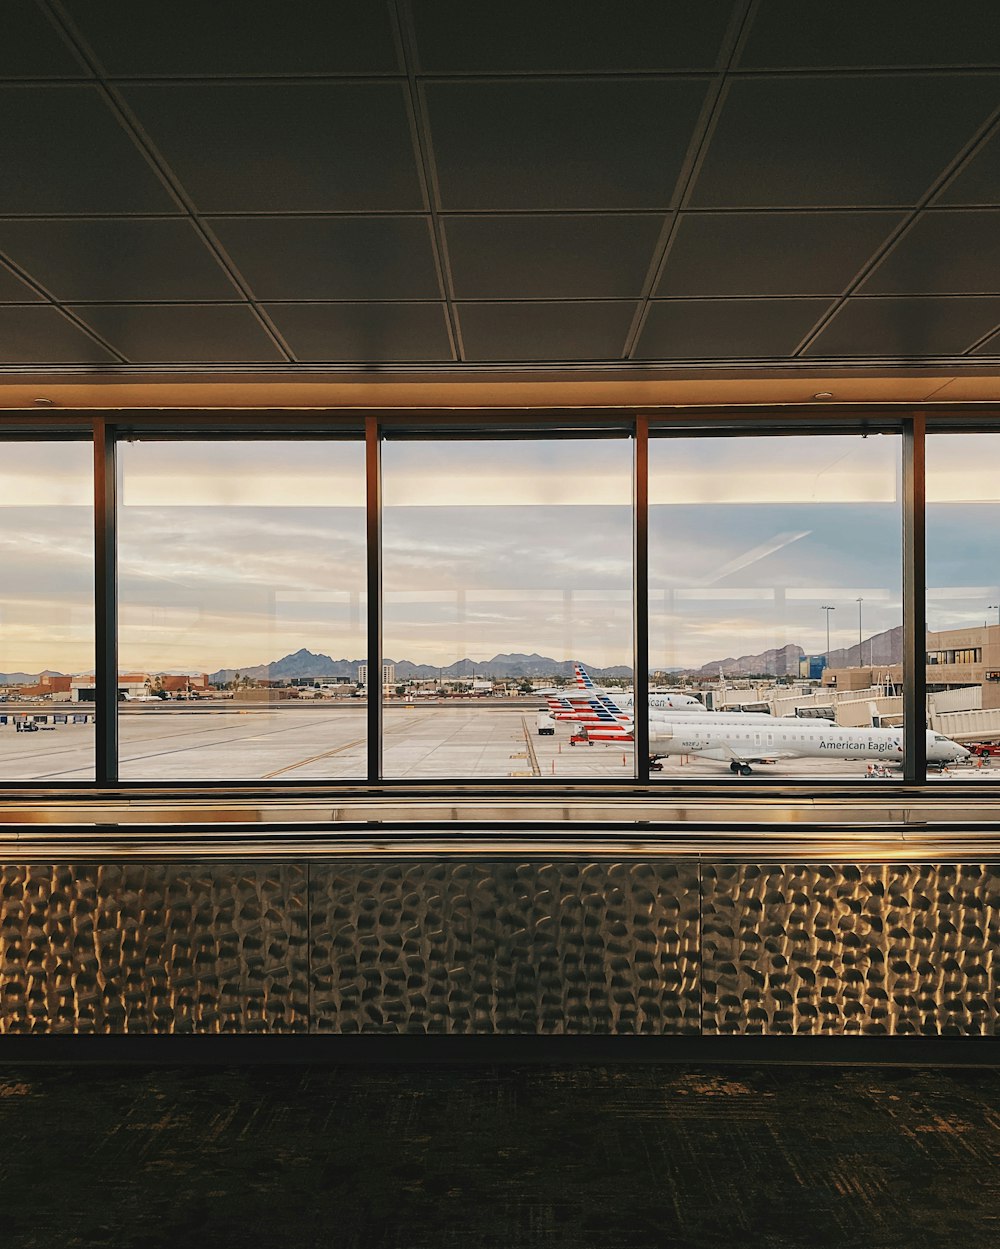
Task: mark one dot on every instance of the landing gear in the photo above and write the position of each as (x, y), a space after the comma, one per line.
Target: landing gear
(734, 766)
(655, 765)
(745, 769)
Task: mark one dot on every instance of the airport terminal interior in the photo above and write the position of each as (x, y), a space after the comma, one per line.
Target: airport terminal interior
(500, 622)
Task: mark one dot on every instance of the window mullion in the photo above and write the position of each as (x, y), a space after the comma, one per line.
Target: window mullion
(106, 604)
(914, 600)
(640, 601)
(373, 513)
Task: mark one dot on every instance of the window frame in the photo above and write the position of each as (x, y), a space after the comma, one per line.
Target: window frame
(107, 429)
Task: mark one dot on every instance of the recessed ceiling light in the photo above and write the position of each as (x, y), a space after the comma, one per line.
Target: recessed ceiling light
(824, 394)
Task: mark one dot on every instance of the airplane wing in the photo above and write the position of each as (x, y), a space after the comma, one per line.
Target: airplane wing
(724, 752)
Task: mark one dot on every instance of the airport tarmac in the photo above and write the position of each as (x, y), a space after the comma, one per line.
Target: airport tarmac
(312, 743)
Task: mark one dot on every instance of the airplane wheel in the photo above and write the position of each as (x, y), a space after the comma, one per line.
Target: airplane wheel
(734, 766)
(746, 769)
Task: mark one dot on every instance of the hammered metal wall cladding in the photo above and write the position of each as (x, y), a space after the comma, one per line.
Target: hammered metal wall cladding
(650, 946)
(505, 947)
(154, 948)
(867, 950)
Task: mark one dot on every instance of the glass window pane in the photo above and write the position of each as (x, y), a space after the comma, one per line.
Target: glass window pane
(963, 592)
(46, 611)
(775, 599)
(241, 610)
(504, 562)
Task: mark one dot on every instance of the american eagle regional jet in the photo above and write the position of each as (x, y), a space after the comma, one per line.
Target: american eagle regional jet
(743, 738)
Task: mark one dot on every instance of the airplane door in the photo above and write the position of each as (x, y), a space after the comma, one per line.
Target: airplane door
(757, 740)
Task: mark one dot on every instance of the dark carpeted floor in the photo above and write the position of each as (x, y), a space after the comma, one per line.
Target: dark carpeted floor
(502, 1156)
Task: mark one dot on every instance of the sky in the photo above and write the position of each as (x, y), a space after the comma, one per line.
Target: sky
(236, 553)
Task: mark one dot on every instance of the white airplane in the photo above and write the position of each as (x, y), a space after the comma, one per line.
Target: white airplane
(668, 700)
(741, 744)
(740, 738)
(597, 706)
(608, 711)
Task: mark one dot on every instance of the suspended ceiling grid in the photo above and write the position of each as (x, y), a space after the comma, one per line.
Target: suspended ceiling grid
(450, 189)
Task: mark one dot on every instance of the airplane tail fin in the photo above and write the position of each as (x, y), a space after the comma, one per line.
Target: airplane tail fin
(583, 680)
(590, 709)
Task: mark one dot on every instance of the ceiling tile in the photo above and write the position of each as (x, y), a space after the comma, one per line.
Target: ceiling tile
(849, 33)
(364, 333)
(31, 48)
(598, 144)
(284, 147)
(907, 328)
(551, 257)
(880, 140)
(181, 333)
(42, 335)
(943, 253)
(991, 347)
(578, 36)
(979, 181)
(117, 259)
(545, 331)
(765, 253)
(332, 257)
(63, 151)
(719, 329)
(191, 38)
(14, 291)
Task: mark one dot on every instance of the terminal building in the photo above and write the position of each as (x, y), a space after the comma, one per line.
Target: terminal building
(642, 334)
(955, 659)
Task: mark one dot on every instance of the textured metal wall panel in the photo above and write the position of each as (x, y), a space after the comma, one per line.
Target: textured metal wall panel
(154, 948)
(840, 950)
(483, 946)
(505, 947)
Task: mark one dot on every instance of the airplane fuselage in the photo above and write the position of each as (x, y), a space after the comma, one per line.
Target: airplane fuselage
(733, 741)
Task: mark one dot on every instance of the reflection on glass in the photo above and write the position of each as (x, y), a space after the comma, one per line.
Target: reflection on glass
(963, 592)
(46, 611)
(241, 610)
(775, 599)
(504, 562)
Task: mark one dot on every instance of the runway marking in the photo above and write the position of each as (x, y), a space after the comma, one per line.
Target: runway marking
(535, 769)
(386, 732)
(127, 759)
(267, 776)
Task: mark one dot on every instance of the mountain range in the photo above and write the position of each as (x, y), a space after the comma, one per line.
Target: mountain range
(881, 649)
(27, 678)
(305, 663)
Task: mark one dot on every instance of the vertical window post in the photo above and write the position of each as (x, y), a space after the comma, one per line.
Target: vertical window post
(373, 506)
(106, 607)
(640, 602)
(914, 601)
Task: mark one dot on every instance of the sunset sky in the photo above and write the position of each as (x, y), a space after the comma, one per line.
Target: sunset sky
(236, 553)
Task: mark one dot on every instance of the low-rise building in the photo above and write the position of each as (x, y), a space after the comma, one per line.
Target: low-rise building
(388, 674)
(955, 658)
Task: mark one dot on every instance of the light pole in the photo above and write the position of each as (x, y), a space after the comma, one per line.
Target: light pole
(860, 660)
(827, 610)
